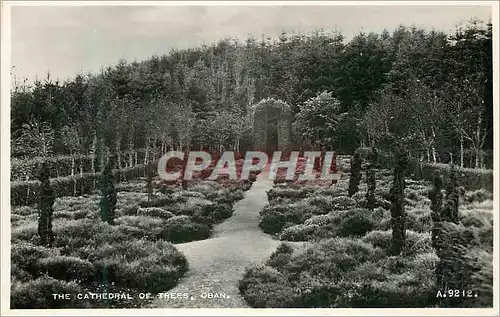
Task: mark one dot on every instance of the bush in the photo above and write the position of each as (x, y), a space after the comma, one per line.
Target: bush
(417, 243)
(181, 229)
(357, 223)
(379, 239)
(154, 212)
(162, 201)
(323, 202)
(27, 231)
(67, 268)
(139, 264)
(300, 232)
(478, 195)
(229, 196)
(38, 294)
(142, 222)
(218, 211)
(289, 192)
(263, 286)
(75, 237)
(343, 272)
(274, 218)
(343, 203)
(26, 257)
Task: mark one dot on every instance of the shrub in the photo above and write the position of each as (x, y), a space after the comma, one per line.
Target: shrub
(218, 211)
(76, 237)
(286, 192)
(230, 196)
(67, 268)
(154, 212)
(482, 278)
(280, 257)
(323, 202)
(38, 294)
(263, 286)
(139, 264)
(478, 195)
(274, 218)
(27, 231)
(330, 259)
(343, 203)
(141, 222)
(17, 273)
(356, 223)
(25, 256)
(180, 229)
(162, 201)
(299, 232)
(420, 222)
(24, 211)
(417, 243)
(379, 239)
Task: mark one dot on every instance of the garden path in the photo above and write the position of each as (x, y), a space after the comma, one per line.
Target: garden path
(217, 264)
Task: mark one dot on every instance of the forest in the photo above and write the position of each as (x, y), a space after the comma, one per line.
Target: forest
(428, 90)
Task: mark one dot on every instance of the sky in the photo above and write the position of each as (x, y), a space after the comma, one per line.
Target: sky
(67, 40)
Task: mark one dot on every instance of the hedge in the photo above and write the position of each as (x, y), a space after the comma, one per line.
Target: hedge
(61, 165)
(26, 193)
(469, 178)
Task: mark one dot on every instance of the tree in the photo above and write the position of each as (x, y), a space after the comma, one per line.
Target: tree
(436, 197)
(370, 179)
(35, 139)
(398, 214)
(355, 178)
(45, 207)
(318, 119)
(450, 211)
(149, 181)
(108, 199)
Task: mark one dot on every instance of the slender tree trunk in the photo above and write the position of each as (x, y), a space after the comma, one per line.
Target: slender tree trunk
(477, 153)
(461, 150)
(73, 173)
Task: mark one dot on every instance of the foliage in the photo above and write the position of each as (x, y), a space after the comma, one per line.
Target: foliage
(45, 208)
(370, 179)
(108, 200)
(398, 215)
(319, 118)
(355, 177)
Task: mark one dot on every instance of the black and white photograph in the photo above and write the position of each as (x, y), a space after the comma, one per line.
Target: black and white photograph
(314, 156)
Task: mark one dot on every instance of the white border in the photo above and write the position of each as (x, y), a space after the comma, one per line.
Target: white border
(5, 172)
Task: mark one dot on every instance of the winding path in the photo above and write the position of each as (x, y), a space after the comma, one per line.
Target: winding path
(217, 264)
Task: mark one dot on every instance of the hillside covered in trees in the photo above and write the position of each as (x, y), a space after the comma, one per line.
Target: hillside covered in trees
(429, 90)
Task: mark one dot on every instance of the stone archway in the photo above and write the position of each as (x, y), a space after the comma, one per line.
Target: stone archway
(272, 122)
